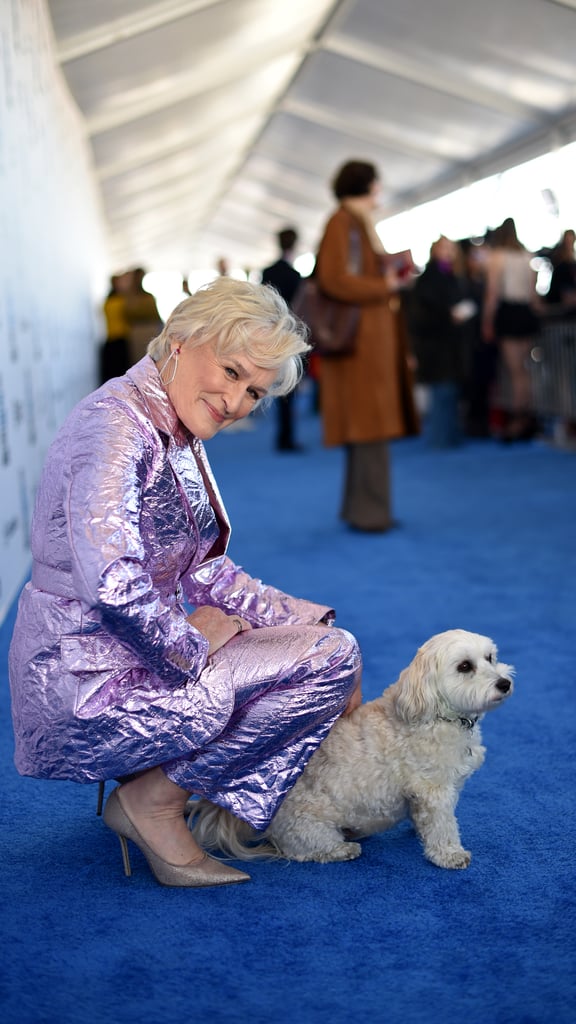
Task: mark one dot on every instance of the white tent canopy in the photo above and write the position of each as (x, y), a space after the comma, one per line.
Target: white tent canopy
(213, 123)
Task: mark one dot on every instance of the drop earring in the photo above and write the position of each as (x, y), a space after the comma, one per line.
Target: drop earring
(173, 356)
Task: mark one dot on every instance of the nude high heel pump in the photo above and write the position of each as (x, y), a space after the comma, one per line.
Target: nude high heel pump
(207, 872)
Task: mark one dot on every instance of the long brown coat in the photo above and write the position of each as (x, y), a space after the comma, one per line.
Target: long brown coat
(366, 396)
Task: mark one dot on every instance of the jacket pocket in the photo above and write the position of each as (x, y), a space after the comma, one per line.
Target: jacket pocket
(95, 652)
(103, 669)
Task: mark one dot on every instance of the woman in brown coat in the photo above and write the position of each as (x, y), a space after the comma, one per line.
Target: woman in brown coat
(366, 398)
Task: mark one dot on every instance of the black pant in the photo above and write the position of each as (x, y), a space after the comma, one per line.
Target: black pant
(285, 422)
(114, 358)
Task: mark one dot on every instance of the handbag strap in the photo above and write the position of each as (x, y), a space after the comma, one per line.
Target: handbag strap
(354, 252)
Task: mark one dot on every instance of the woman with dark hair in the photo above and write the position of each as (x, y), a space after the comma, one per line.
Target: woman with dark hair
(562, 290)
(510, 319)
(366, 397)
(440, 311)
(355, 178)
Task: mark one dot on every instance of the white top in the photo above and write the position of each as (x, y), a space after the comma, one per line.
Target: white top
(516, 276)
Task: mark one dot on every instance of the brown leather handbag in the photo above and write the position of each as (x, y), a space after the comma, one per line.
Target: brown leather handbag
(333, 324)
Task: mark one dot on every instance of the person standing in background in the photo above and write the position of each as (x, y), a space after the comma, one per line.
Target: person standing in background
(561, 302)
(142, 314)
(114, 354)
(286, 280)
(440, 308)
(482, 366)
(562, 290)
(510, 319)
(366, 398)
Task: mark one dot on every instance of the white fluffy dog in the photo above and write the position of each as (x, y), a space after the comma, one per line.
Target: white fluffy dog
(406, 754)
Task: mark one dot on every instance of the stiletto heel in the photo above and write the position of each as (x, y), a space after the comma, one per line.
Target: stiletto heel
(125, 856)
(208, 871)
(100, 799)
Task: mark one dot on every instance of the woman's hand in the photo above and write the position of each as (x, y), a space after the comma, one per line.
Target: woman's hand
(216, 626)
(392, 280)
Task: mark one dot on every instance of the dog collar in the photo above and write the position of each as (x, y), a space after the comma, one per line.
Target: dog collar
(466, 723)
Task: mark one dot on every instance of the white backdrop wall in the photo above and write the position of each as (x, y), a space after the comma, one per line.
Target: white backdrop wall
(52, 270)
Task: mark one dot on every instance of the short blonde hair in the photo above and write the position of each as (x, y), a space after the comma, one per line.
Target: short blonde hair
(240, 317)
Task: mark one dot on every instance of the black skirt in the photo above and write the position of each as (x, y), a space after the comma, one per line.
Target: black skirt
(515, 320)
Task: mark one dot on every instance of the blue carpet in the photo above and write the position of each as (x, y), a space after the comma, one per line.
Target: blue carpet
(488, 543)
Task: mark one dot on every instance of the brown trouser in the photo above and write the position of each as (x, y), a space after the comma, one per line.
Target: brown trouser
(366, 499)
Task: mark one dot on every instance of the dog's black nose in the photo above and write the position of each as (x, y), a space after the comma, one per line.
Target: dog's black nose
(503, 685)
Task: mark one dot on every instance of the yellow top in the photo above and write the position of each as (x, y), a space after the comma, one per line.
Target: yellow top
(115, 312)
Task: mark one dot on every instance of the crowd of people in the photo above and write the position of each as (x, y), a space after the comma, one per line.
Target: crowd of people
(466, 324)
(443, 350)
(458, 335)
(474, 317)
(132, 320)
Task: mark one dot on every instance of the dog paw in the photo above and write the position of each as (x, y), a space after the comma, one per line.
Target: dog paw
(344, 851)
(454, 859)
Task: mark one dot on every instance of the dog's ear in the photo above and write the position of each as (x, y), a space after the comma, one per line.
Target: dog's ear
(415, 691)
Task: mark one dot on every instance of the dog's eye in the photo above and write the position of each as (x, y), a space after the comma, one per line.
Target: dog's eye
(465, 666)
(490, 658)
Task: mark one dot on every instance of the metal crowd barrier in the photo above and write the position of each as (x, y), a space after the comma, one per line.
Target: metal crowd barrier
(553, 369)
